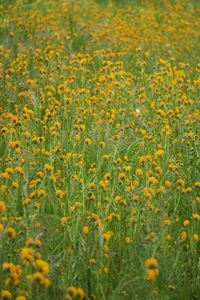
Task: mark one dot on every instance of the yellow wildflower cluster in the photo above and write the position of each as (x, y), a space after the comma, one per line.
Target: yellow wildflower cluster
(99, 149)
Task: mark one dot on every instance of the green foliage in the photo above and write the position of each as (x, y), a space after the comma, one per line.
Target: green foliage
(99, 150)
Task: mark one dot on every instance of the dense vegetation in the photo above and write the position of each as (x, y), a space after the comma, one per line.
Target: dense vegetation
(99, 150)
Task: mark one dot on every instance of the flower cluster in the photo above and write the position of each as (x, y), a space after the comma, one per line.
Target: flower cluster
(99, 135)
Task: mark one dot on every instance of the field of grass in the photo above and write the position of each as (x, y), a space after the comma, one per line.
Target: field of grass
(99, 150)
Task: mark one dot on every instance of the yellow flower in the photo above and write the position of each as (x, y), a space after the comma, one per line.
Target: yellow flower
(2, 206)
(5, 294)
(38, 277)
(127, 168)
(168, 237)
(158, 154)
(107, 235)
(167, 183)
(139, 172)
(128, 240)
(151, 263)
(106, 157)
(72, 291)
(88, 141)
(77, 138)
(43, 266)
(46, 282)
(116, 199)
(41, 193)
(80, 293)
(102, 144)
(196, 216)
(105, 270)
(167, 222)
(180, 182)
(183, 235)
(29, 242)
(195, 237)
(38, 243)
(64, 220)
(11, 232)
(27, 254)
(92, 261)
(15, 184)
(60, 194)
(91, 186)
(85, 230)
(186, 223)
(151, 274)
(48, 168)
(14, 144)
(153, 180)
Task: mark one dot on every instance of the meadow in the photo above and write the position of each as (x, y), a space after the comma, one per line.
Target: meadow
(99, 150)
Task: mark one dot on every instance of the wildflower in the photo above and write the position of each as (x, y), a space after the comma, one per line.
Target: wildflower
(127, 168)
(4, 131)
(153, 180)
(64, 220)
(29, 242)
(116, 199)
(139, 172)
(27, 254)
(48, 168)
(91, 186)
(152, 269)
(77, 138)
(168, 237)
(80, 293)
(167, 183)
(92, 261)
(60, 194)
(105, 270)
(127, 240)
(195, 237)
(198, 200)
(102, 144)
(85, 230)
(41, 193)
(15, 184)
(88, 141)
(2, 206)
(180, 182)
(107, 235)
(42, 266)
(167, 221)
(14, 144)
(5, 294)
(11, 232)
(184, 236)
(38, 243)
(151, 263)
(158, 154)
(152, 274)
(186, 223)
(71, 291)
(38, 277)
(197, 184)
(106, 157)
(196, 216)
